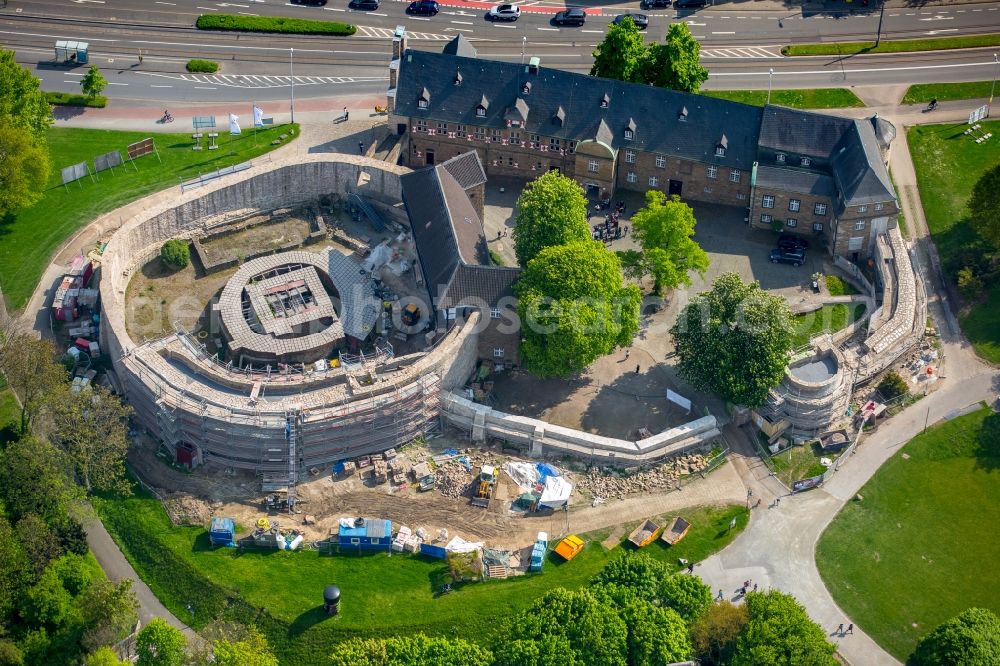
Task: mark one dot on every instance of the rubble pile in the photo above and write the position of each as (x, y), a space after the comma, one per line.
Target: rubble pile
(665, 476)
(453, 480)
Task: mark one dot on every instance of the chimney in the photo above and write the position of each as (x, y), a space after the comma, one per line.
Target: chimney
(533, 63)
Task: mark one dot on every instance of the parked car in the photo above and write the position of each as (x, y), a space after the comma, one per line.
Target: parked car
(574, 16)
(793, 257)
(792, 242)
(691, 4)
(428, 7)
(641, 20)
(364, 5)
(308, 2)
(504, 13)
(650, 4)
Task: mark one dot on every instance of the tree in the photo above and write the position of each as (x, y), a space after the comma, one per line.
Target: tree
(970, 284)
(34, 479)
(596, 632)
(251, 650)
(984, 206)
(10, 654)
(970, 638)
(105, 656)
(74, 572)
(574, 308)
(664, 229)
(93, 82)
(109, 612)
(415, 650)
(24, 168)
(686, 594)
(29, 365)
(714, 633)
(22, 103)
(39, 542)
(546, 651)
(780, 633)
(15, 567)
(48, 601)
(72, 537)
(656, 636)
(621, 53)
(160, 644)
(92, 429)
(734, 340)
(675, 64)
(551, 210)
(637, 574)
(175, 253)
(892, 385)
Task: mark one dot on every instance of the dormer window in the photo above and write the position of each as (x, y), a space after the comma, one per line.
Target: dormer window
(560, 117)
(482, 106)
(526, 88)
(605, 101)
(720, 148)
(805, 161)
(458, 78)
(425, 99)
(683, 115)
(480, 112)
(630, 130)
(780, 158)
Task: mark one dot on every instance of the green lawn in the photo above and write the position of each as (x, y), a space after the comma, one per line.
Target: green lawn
(798, 462)
(28, 239)
(892, 46)
(922, 93)
(838, 287)
(382, 594)
(815, 98)
(829, 318)
(922, 545)
(948, 164)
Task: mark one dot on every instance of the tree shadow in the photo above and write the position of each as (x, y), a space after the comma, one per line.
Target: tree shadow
(630, 402)
(987, 450)
(524, 394)
(7, 221)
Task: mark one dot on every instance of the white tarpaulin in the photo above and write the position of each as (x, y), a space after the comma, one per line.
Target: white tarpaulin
(380, 256)
(678, 399)
(460, 545)
(556, 493)
(525, 475)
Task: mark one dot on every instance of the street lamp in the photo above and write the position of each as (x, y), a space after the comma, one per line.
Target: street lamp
(524, 42)
(996, 66)
(770, 76)
(291, 72)
(878, 34)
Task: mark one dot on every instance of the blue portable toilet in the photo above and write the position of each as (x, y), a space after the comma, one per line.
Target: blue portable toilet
(538, 552)
(222, 532)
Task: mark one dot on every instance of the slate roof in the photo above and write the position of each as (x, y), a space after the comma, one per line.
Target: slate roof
(796, 180)
(450, 240)
(801, 132)
(655, 111)
(858, 167)
(467, 169)
(460, 46)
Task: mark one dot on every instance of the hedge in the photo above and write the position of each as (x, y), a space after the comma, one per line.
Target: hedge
(175, 253)
(273, 24)
(206, 66)
(76, 99)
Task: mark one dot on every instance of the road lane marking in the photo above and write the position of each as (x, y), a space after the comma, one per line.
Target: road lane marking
(549, 29)
(730, 32)
(112, 83)
(206, 88)
(156, 86)
(463, 22)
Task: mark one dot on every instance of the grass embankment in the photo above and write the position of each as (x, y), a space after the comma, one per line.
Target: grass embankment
(892, 46)
(76, 99)
(31, 236)
(799, 462)
(812, 98)
(279, 24)
(10, 415)
(838, 287)
(948, 163)
(381, 595)
(922, 93)
(828, 319)
(920, 547)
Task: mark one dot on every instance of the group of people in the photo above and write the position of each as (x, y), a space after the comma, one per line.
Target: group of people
(611, 229)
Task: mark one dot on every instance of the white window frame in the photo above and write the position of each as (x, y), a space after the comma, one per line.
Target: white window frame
(765, 218)
(819, 209)
(629, 135)
(805, 161)
(593, 166)
(422, 104)
(720, 151)
(767, 201)
(862, 209)
(498, 352)
(494, 313)
(791, 222)
(817, 226)
(661, 161)
(480, 112)
(712, 171)
(878, 207)
(631, 177)
(734, 175)
(630, 156)
(780, 158)
(859, 225)
(654, 181)
(794, 205)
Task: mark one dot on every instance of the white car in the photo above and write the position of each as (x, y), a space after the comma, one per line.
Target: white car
(504, 13)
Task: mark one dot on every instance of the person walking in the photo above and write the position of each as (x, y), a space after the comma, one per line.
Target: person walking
(690, 567)
(719, 596)
(361, 147)
(636, 368)
(850, 628)
(840, 629)
(345, 114)
(626, 354)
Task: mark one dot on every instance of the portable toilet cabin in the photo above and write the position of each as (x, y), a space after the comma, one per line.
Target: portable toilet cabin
(366, 534)
(538, 552)
(222, 532)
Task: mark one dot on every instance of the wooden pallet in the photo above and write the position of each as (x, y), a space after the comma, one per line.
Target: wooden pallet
(496, 571)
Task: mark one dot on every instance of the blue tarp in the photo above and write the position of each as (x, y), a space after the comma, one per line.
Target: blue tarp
(433, 551)
(451, 452)
(222, 532)
(545, 470)
(466, 463)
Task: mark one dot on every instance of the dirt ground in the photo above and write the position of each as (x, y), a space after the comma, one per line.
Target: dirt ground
(209, 491)
(261, 237)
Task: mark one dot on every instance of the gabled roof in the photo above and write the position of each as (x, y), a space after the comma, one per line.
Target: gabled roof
(460, 46)
(655, 110)
(858, 167)
(467, 169)
(796, 180)
(801, 132)
(450, 239)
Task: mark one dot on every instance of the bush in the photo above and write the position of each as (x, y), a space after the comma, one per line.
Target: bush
(273, 24)
(970, 284)
(206, 66)
(175, 253)
(893, 386)
(838, 287)
(76, 99)
(497, 259)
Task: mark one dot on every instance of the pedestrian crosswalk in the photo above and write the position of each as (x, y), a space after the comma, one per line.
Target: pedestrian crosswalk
(387, 33)
(262, 81)
(743, 52)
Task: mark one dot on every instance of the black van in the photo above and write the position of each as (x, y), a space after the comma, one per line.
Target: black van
(691, 4)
